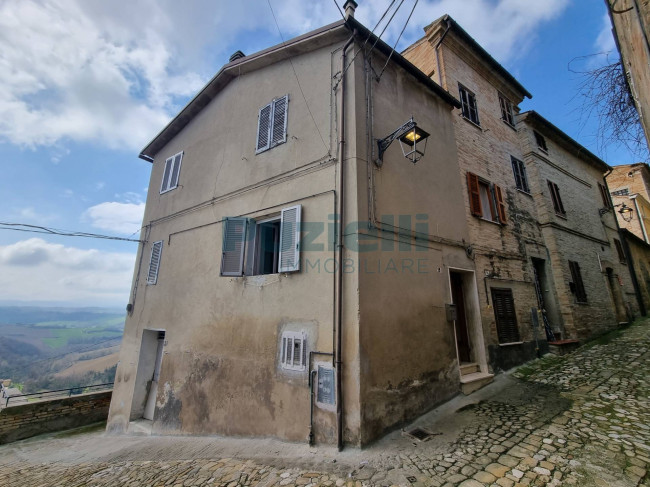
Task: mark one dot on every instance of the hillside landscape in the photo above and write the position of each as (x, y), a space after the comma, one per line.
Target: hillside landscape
(56, 348)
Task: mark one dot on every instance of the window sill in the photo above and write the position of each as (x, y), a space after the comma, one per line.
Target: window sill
(471, 122)
(509, 124)
(542, 150)
(168, 190)
(489, 221)
(561, 216)
(510, 344)
(525, 192)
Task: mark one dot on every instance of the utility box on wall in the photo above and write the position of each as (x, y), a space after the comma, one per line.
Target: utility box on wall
(452, 312)
(326, 391)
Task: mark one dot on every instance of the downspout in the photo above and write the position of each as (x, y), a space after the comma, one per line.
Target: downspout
(442, 38)
(339, 399)
(638, 212)
(626, 251)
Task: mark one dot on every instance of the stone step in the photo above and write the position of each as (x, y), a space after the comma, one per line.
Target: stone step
(469, 368)
(140, 427)
(563, 347)
(473, 382)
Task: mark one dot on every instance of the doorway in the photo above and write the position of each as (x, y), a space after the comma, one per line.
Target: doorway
(617, 296)
(146, 383)
(462, 335)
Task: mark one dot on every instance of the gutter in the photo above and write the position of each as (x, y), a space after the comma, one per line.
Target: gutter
(638, 212)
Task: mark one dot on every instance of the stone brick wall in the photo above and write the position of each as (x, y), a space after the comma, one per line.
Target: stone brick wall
(641, 257)
(27, 420)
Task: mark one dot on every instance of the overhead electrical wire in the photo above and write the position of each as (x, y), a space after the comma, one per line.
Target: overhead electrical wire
(24, 227)
(298, 81)
(400, 36)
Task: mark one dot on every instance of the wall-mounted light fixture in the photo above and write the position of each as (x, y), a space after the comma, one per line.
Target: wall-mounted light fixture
(409, 135)
(626, 212)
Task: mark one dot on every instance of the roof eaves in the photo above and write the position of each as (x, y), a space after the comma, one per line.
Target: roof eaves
(401, 61)
(536, 119)
(483, 53)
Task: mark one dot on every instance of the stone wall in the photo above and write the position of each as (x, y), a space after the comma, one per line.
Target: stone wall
(27, 420)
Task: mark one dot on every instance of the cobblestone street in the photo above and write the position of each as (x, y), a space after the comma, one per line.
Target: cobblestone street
(581, 419)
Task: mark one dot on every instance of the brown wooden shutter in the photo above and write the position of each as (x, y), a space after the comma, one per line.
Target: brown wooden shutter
(505, 315)
(474, 195)
(501, 207)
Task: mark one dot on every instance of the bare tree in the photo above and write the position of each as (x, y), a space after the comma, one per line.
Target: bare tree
(605, 95)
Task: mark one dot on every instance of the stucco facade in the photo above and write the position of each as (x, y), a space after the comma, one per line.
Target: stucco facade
(203, 353)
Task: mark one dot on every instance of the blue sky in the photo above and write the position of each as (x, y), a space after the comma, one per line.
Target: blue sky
(87, 83)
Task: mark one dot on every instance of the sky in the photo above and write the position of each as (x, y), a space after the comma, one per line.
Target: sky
(85, 84)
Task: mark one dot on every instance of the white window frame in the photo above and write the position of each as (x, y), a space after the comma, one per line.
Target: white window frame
(167, 184)
(507, 110)
(469, 109)
(288, 360)
(270, 142)
(154, 263)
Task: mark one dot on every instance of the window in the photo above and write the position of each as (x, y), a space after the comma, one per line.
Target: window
(507, 114)
(621, 192)
(264, 246)
(293, 354)
(541, 141)
(154, 262)
(619, 251)
(485, 199)
(505, 315)
(604, 195)
(557, 201)
(468, 101)
(170, 175)
(521, 179)
(577, 286)
(272, 124)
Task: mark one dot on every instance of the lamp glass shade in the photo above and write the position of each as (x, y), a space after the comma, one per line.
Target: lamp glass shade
(416, 134)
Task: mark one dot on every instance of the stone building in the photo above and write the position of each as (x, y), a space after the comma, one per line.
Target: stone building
(529, 254)
(631, 27)
(593, 287)
(293, 281)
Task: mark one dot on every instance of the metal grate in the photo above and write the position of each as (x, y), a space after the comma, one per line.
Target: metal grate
(420, 434)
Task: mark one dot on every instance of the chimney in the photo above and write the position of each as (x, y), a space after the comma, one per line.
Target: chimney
(349, 7)
(236, 55)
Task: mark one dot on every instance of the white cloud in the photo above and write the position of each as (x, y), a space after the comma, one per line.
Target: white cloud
(122, 218)
(605, 40)
(35, 269)
(113, 73)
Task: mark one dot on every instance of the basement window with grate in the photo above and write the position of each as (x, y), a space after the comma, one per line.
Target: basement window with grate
(272, 124)
(293, 354)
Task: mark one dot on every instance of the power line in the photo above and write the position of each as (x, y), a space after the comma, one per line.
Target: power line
(400, 36)
(340, 11)
(297, 80)
(24, 227)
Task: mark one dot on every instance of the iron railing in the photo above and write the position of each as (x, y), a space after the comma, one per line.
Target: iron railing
(73, 391)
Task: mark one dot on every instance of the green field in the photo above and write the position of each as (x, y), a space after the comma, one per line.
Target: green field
(62, 337)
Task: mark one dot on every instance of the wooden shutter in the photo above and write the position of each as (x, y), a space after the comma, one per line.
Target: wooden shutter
(290, 239)
(555, 196)
(576, 277)
(164, 185)
(463, 101)
(234, 244)
(505, 315)
(474, 195)
(264, 128)
(501, 207)
(154, 262)
(279, 130)
(173, 180)
(604, 195)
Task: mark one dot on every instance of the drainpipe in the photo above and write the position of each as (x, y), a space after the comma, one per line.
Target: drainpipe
(638, 212)
(339, 352)
(626, 251)
(436, 49)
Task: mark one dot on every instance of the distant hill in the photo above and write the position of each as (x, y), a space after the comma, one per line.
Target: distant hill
(34, 315)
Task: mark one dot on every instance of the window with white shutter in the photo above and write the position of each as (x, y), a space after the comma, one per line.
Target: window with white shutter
(233, 247)
(171, 173)
(293, 352)
(272, 124)
(154, 262)
(256, 247)
(290, 239)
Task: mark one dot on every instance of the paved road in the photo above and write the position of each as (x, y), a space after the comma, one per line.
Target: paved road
(582, 420)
